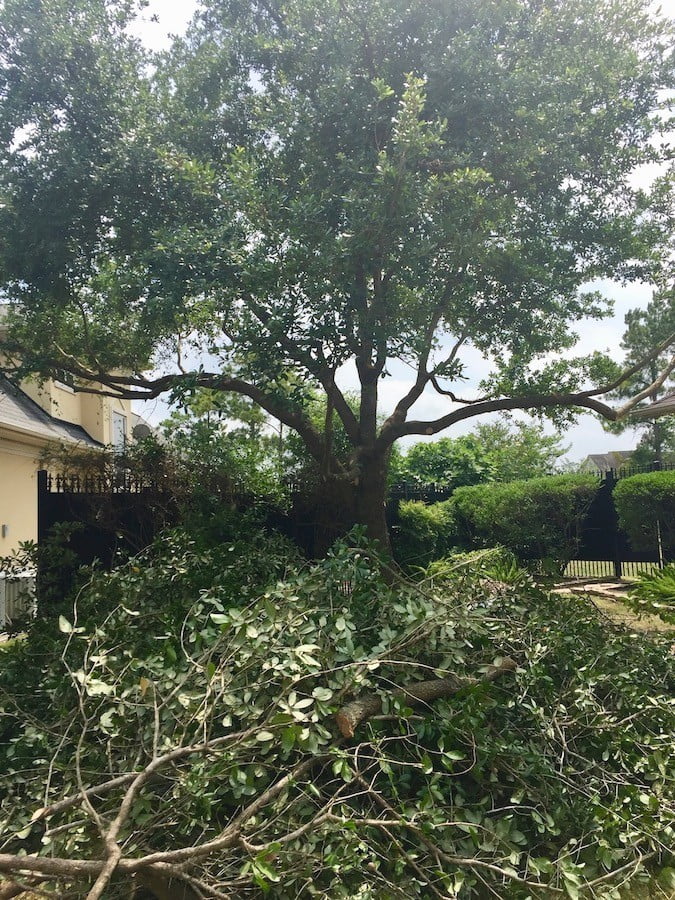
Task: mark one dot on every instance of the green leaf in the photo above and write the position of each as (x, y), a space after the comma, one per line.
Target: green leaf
(322, 693)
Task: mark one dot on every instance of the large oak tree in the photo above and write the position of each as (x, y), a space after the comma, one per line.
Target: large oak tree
(298, 186)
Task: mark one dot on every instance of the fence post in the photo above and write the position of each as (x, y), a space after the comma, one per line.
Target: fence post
(659, 544)
(42, 491)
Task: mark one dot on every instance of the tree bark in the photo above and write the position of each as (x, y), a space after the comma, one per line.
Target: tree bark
(370, 495)
(420, 693)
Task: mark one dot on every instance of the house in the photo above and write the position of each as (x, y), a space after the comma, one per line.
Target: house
(605, 462)
(34, 416)
(663, 407)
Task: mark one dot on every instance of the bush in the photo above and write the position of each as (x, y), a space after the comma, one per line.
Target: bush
(641, 502)
(422, 532)
(538, 519)
(655, 593)
(202, 686)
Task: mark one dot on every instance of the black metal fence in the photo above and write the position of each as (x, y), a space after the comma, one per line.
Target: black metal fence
(604, 550)
(104, 516)
(121, 513)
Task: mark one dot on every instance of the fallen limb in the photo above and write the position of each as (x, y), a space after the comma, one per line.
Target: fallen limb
(420, 693)
(10, 889)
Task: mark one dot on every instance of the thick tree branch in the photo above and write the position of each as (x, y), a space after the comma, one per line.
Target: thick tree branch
(392, 430)
(637, 367)
(530, 401)
(138, 387)
(319, 368)
(422, 377)
(350, 716)
(657, 383)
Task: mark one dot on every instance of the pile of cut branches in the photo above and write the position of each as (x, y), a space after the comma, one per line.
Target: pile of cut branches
(229, 721)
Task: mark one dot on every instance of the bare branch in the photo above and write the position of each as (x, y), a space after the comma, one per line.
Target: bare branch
(422, 378)
(318, 367)
(623, 411)
(637, 367)
(391, 431)
(530, 401)
(122, 780)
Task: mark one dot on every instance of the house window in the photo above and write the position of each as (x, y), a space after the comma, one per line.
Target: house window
(119, 431)
(64, 379)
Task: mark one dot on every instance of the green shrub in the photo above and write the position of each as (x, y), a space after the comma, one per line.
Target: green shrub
(641, 502)
(538, 519)
(655, 593)
(421, 534)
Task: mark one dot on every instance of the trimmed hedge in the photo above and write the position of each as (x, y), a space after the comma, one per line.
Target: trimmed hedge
(422, 532)
(643, 500)
(538, 519)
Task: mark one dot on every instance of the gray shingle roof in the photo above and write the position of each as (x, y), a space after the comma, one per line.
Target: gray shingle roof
(603, 462)
(662, 407)
(18, 411)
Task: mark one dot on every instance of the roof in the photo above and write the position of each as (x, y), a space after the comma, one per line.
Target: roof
(603, 462)
(18, 411)
(662, 407)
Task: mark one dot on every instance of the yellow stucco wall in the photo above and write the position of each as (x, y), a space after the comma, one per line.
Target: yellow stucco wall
(93, 415)
(18, 493)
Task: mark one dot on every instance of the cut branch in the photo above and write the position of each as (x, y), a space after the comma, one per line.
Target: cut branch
(421, 693)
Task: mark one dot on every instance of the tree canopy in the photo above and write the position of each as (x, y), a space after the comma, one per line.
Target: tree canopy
(299, 189)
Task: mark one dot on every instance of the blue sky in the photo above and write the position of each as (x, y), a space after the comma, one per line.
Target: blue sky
(585, 437)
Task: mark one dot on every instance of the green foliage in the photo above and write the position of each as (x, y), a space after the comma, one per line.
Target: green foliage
(235, 659)
(519, 452)
(452, 462)
(299, 189)
(221, 444)
(492, 452)
(645, 505)
(537, 519)
(421, 533)
(655, 593)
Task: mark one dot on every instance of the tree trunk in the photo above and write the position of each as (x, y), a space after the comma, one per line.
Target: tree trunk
(370, 495)
(337, 502)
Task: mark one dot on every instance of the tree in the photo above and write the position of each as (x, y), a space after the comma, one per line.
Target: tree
(519, 453)
(492, 452)
(298, 188)
(224, 435)
(457, 462)
(645, 329)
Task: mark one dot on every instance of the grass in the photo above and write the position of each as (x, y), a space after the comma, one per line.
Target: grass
(623, 615)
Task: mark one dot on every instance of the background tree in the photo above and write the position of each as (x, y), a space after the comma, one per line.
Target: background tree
(645, 329)
(455, 462)
(227, 434)
(519, 452)
(492, 452)
(299, 187)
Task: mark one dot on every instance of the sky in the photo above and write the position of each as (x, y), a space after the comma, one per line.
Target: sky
(164, 18)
